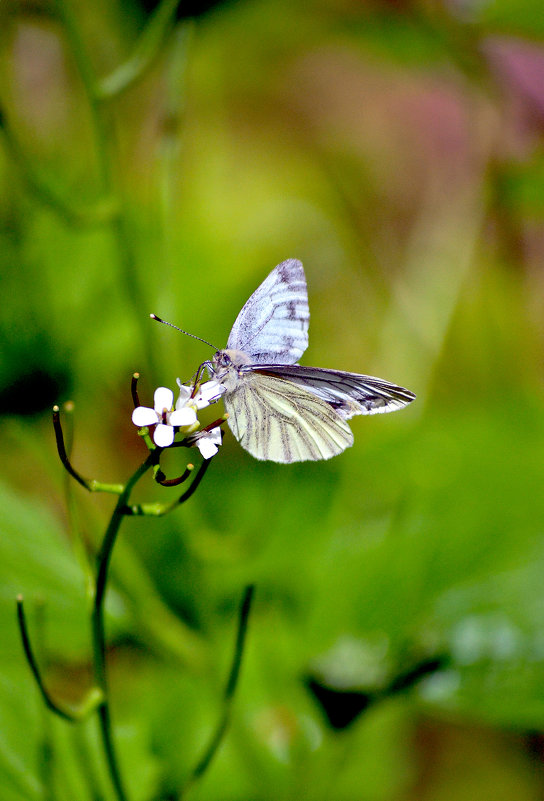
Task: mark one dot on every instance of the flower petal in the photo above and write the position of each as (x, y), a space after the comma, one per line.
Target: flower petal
(163, 435)
(144, 416)
(184, 394)
(208, 392)
(163, 399)
(208, 443)
(182, 417)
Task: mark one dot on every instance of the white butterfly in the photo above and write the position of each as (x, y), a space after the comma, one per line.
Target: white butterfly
(280, 410)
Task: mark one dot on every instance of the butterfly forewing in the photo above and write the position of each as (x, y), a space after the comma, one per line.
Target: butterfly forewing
(273, 324)
(348, 393)
(281, 421)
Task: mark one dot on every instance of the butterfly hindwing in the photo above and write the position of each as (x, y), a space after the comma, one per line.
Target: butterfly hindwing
(273, 324)
(281, 421)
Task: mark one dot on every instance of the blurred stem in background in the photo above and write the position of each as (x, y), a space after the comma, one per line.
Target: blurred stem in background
(217, 737)
(168, 155)
(109, 210)
(99, 96)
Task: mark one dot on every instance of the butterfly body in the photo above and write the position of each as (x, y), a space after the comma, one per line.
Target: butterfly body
(280, 410)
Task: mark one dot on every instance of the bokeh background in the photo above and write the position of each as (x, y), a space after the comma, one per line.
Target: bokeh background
(396, 646)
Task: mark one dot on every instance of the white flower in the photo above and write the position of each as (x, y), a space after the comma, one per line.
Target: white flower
(163, 417)
(208, 442)
(166, 418)
(207, 393)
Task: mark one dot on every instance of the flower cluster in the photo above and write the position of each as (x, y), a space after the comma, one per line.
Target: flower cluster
(168, 418)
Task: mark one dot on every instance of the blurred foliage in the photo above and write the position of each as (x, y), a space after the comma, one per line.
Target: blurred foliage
(397, 149)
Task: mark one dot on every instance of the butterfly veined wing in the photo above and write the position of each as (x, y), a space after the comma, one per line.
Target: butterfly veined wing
(273, 324)
(280, 410)
(282, 421)
(348, 393)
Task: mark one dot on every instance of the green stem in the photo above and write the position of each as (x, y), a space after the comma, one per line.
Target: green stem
(98, 634)
(103, 130)
(228, 696)
(89, 483)
(73, 714)
(87, 76)
(100, 212)
(161, 509)
(46, 745)
(86, 765)
(146, 50)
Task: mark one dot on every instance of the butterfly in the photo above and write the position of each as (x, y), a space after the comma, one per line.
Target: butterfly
(279, 410)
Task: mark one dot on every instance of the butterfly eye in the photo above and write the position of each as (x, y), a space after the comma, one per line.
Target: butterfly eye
(221, 359)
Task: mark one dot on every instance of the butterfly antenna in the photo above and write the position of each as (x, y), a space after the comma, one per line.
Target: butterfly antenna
(194, 336)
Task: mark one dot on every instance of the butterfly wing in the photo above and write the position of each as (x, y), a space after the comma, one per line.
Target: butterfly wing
(347, 393)
(273, 324)
(279, 410)
(282, 421)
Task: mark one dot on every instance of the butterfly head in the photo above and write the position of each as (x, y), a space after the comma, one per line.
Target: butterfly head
(229, 358)
(227, 366)
(221, 361)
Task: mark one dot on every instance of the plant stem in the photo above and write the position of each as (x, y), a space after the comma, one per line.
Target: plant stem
(103, 130)
(98, 213)
(161, 509)
(228, 696)
(98, 635)
(146, 50)
(89, 483)
(69, 714)
(86, 73)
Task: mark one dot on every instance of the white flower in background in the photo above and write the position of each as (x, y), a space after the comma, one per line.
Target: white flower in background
(164, 417)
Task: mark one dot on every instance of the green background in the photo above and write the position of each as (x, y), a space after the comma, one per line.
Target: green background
(397, 150)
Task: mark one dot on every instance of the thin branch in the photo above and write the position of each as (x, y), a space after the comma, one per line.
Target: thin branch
(46, 744)
(78, 541)
(86, 73)
(90, 484)
(104, 144)
(98, 213)
(161, 479)
(134, 389)
(147, 49)
(194, 486)
(65, 711)
(61, 448)
(160, 509)
(245, 608)
(98, 633)
(87, 767)
(228, 697)
(216, 423)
